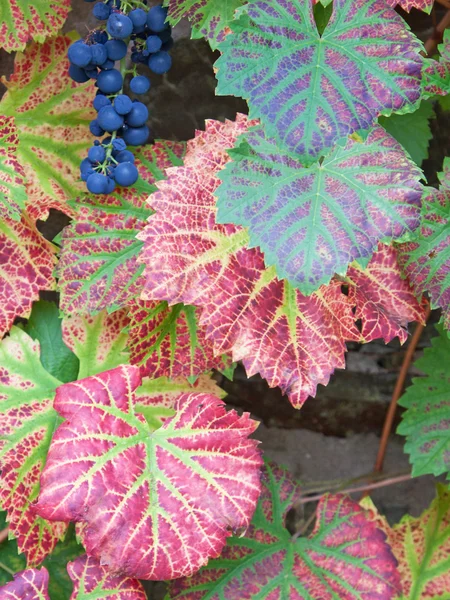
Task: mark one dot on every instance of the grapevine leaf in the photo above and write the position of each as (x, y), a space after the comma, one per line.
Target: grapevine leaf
(26, 267)
(93, 581)
(412, 130)
(437, 72)
(44, 325)
(426, 422)
(424, 5)
(168, 341)
(384, 301)
(209, 18)
(311, 90)
(31, 584)
(156, 504)
(345, 557)
(422, 548)
(26, 428)
(52, 114)
(98, 266)
(426, 259)
(23, 20)
(98, 341)
(312, 222)
(12, 174)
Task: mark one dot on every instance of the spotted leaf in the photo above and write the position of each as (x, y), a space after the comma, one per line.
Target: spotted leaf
(426, 422)
(98, 341)
(31, 584)
(22, 20)
(312, 222)
(156, 503)
(426, 258)
(26, 266)
(12, 174)
(424, 5)
(345, 557)
(311, 90)
(437, 72)
(209, 18)
(51, 113)
(92, 581)
(26, 427)
(98, 267)
(168, 341)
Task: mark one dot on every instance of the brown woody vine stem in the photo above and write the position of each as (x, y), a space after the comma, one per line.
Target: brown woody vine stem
(432, 43)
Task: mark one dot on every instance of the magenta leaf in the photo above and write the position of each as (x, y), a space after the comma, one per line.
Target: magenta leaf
(312, 222)
(311, 90)
(31, 584)
(345, 557)
(155, 504)
(425, 5)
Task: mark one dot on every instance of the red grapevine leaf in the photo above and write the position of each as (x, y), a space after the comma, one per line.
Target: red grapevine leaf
(21, 21)
(156, 504)
(26, 266)
(52, 114)
(31, 584)
(12, 174)
(26, 428)
(425, 5)
(168, 341)
(345, 557)
(385, 302)
(98, 267)
(91, 578)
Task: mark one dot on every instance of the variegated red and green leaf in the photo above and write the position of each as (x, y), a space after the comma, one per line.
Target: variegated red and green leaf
(167, 341)
(312, 222)
(25, 20)
(209, 18)
(98, 267)
(436, 73)
(26, 428)
(31, 584)
(52, 114)
(426, 258)
(422, 548)
(312, 90)
(12, 174)
(26, 266)
(345, 557)
(156, 504)
(93, 581)
(424, 5)
(98, 341)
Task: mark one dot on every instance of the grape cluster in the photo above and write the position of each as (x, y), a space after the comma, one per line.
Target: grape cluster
(122, 119)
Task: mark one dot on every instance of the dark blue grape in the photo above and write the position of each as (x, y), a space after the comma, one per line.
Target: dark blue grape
(165, 35)
(107, 65)
(95, 128)
(167, 45)
(156, 18)
(138, 29)
(92, 73)
(100, 100)
(136, 136)
(108, 119)
(123, 104)
(111, 184)
(125, 156)
(116, 49)
(119, 26)
(110, 82)
(118, 144)
(97, 183)
(138, 57)
(140, 84)
(137, 115)
(126, 174)
(78, 74)
(99, 37)
(79, 54)
(101, 11)
(138, 17)
(97, 154)
(99, 54)
(85, 165)
(160, 62)
(153, 43)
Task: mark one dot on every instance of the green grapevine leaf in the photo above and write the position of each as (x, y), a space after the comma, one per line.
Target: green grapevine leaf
(44, 325)
(156, 504)
(437, 72)
(312, 222)
(345, 557)
(26, 428)
(209, 18)
(98, 267)
(24, 20)
(412, 130)
(11, 561)
(426, 422)
(12, 174)
(51, 113)
(311, 90)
